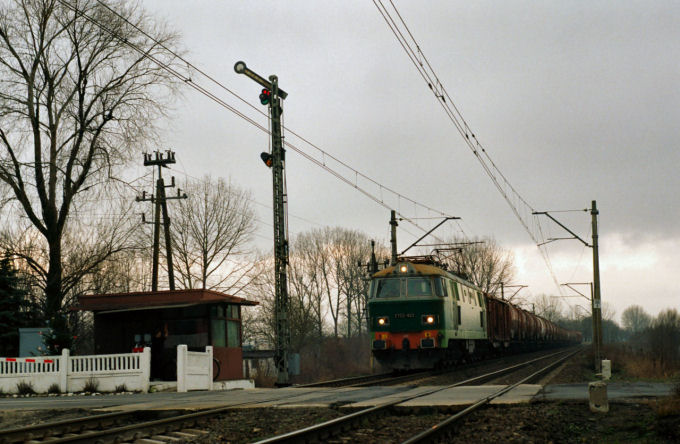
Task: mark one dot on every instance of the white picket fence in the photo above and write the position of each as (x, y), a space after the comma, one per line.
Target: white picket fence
(72, 373)
(194, 369)
(108, 372)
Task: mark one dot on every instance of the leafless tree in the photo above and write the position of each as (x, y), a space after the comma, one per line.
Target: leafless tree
(548, 307)
(259, 325)
(76, 102)
(635, 319)
(664, 337)
(211, 232)
(483, 262)
(92, 248)
(608, 311)
(331, 256)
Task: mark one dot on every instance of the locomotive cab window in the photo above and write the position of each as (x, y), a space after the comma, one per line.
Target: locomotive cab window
(388, 288)
(419, 287)
(440, 288)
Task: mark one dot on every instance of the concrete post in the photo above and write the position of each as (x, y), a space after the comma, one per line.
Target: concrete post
(598, 397)
(209, 351)
(181, 368)
(145, 366)
(63, 370)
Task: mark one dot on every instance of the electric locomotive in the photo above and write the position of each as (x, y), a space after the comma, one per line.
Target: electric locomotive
(422, 316)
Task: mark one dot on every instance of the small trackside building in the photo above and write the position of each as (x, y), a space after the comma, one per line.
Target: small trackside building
(162, 320)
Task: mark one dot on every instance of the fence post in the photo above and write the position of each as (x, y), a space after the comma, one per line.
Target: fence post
(64, 362)
(209, 351)
(181, 368)
(145, 366)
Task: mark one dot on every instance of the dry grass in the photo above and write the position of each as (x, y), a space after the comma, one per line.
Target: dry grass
(629, 363)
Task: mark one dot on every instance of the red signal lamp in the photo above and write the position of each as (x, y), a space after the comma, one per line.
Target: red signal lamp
(267, 159)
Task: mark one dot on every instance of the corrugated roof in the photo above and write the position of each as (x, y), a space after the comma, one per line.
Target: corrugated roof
(159, 299)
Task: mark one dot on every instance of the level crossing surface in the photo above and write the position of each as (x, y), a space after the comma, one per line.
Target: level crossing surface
(291, 397)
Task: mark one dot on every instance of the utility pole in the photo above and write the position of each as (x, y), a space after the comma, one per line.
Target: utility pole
(159, 199)
(597, 303)
(596, 297)
(272, 95)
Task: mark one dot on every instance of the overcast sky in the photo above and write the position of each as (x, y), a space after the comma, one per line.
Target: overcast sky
(574, 101)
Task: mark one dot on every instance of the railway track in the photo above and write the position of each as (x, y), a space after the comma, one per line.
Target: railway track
(394, 378)
(322, 431)
(378, 379)
(135, 426)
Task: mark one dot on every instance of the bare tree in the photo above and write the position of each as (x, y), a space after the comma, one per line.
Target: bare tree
(76, 102)
(664, 337)
(330, 257)
(211, 231)
(548, 307)
(635, 319)
(89, 246)
(259, 325)
(484, 263)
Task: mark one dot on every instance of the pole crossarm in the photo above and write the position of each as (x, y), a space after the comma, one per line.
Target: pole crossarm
(569, 285)
(575, 236)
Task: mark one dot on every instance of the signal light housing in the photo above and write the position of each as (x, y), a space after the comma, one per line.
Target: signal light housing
(265, 96)
(267, 159)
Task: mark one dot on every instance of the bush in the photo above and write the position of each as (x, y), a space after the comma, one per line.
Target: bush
(91, 385)
(121, 388)
(54, 389)
(25, 388)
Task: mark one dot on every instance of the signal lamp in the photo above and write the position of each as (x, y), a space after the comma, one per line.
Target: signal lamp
(267, 159)
(265, 96)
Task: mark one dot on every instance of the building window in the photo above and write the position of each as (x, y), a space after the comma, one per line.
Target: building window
(218, 332)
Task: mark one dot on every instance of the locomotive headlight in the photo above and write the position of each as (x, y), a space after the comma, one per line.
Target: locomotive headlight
(428, 319)
(382, 321)
(403, 268)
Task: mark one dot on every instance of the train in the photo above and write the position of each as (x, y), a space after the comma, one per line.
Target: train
(423, 316)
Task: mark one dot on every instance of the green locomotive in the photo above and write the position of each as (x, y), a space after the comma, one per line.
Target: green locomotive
(422, 316)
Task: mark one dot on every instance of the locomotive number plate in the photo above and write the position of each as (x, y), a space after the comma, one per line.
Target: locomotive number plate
(404, 315)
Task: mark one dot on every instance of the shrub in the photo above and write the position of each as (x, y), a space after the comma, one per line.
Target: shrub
(91, 385)
(54, 388)
(25, 388)
(121, 388)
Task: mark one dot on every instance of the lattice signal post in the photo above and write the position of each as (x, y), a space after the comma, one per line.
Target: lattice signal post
(272, 96)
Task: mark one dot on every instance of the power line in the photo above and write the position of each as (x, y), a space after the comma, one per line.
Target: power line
(322, 163)
(519, 206)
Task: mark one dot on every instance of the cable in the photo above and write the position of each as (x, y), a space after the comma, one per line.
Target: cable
(320, 163)
(519, 206)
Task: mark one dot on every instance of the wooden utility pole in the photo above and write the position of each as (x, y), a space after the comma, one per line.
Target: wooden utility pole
(159, 199)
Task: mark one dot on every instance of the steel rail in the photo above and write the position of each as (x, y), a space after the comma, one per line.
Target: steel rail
(435, 432)
(362, 381)
(333, 426)
(50, 429)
